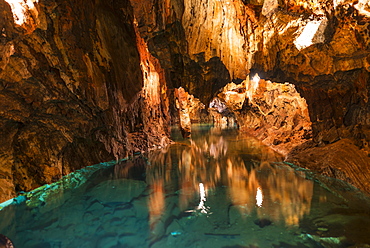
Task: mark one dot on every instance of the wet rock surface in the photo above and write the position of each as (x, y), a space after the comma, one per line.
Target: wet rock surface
(329, 64)
(342, 160)
(183, 105)
(273, 112)
(322, 47)
(72, 91)
(97, 82)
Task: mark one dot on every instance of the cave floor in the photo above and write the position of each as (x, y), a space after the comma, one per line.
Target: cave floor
(217, 189)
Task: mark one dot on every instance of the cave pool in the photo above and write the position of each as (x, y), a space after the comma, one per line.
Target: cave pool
(218, 189)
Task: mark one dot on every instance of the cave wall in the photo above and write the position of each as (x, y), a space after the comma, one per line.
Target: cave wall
(274, 113)
(77, 87)
(320, 46)
(332, 74)
(80, 85)
(161, 24)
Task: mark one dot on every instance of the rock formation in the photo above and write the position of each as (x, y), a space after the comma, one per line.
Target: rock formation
(324, 50)
(274, 113)
(183, 106)
(322, 47)
(77, 87)
(83, 82)
(342, 160)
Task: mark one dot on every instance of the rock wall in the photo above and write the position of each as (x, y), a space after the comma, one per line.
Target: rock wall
(342, 160)
(80, 83)
(161, 25)
(322, 47)
(77, 87)
(275, 113)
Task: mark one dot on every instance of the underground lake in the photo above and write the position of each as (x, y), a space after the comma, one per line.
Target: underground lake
(220, 188)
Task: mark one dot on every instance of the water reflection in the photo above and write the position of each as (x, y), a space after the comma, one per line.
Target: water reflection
(205, 192)
(289, 195)
(219, 189)
(199, 168)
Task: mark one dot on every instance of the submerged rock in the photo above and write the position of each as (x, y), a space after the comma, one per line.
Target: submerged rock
(262, 222)
(5, 242)
(119, 190)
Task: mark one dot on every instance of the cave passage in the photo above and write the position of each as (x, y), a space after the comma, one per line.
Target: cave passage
(83, 82)
(218, 189)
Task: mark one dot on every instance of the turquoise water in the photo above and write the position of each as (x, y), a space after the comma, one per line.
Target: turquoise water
(218, 189)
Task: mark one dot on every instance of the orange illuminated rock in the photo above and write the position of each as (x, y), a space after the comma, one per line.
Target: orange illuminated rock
(183, 106)
(342, 160)
(78, 78)
(273, 112)
(76, 88)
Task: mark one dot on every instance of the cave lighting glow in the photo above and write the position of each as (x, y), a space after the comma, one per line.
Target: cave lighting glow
(256, 79)
(305, 38)
(336, 3)
(361, 6)
(202, 192)
(20, 9)
(259, 197)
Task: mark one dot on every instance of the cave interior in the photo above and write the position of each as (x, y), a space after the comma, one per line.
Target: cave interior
(88, 82)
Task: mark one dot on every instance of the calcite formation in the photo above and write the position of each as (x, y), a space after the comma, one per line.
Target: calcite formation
(273, 112)
(324, 51)
(83, 82)
(190, 110)
(161, 25)
(322, 47)
(77, 87)
(183, 106)
(342, 160)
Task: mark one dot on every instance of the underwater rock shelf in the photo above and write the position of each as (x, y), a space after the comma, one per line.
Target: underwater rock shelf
(46, 193)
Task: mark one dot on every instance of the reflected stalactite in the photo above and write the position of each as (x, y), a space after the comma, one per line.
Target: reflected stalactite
(254, 182)
(158, 175)
(156, 202)
(291, 191)
(242, 185)
(280, 194)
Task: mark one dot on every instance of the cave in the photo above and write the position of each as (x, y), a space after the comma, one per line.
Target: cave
(189, 123)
